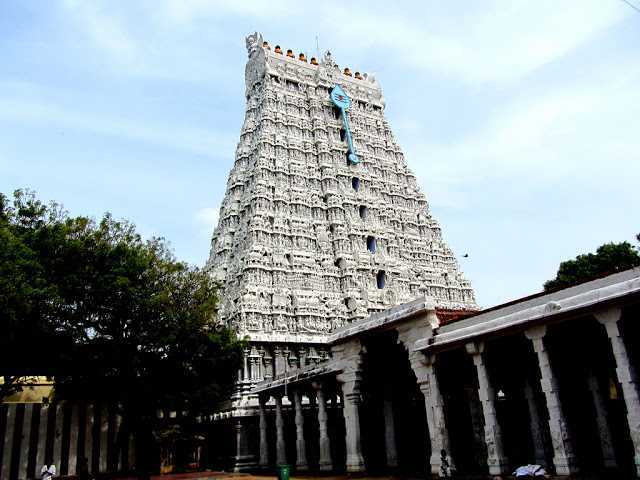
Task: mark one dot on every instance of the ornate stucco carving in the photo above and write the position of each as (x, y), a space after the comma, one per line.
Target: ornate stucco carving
(290, 248)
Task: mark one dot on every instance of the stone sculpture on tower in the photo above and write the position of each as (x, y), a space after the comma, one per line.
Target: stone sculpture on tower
(322, 222)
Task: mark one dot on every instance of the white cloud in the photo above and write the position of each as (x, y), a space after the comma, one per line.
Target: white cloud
(207, 219)
(488, 41)
(568, 131)
(185, 11)
(190, 139)
(105, 28)
(502, 41)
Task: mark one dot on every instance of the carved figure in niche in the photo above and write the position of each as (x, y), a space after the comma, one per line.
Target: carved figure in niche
(281, 324)
(254, 323)
(268, 325)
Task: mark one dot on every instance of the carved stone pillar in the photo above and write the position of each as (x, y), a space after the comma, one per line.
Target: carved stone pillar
(261, 354)
(104, 437)
(8, 440)
(301, 449)
(626, 374)
(324, 462)
(57, 439)
(424, 369)
(245, 359)
(389, 427)
(268, 366)
(41, 442)
(242, 458)
(564, 459)
(88, 437)
(537, 434)
(350, 382)
(264, 445)
(25, 446)
(252, 369)
(606, 444)
(496, 458)
(279, 361)
(73, 441)
(281, 455)
(131, 451)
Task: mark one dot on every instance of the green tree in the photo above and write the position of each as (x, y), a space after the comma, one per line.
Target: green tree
(609, 258)
(109, 316)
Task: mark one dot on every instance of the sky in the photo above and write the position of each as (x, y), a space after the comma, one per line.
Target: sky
(521, 119)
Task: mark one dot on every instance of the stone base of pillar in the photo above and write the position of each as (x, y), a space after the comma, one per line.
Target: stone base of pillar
(355, 464)
(436, 464)
(565, 466)
(355, 467)
(244, 463)
(498, 469)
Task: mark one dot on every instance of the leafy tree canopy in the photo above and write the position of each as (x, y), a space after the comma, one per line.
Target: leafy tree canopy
(609, 258)
(107, 314)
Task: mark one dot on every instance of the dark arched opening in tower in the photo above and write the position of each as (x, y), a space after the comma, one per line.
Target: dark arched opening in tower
(371, 244)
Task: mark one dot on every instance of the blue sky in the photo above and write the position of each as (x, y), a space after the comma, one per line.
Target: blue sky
(521, 119)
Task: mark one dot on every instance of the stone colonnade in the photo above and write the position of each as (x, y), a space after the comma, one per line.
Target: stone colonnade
(318, 396)
(559, 447)
(562, 444)
(61, 434)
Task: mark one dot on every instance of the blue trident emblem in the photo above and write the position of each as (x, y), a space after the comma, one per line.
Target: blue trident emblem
(343, 102)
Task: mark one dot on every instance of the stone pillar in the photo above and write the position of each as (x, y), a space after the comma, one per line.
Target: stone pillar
(8, 440)
(88, 437)
(268, 366)
(496, 459)
(25, 444)
(279, 361)
(41, 442)
(301, 450)
(131, 451)
(245, 371)
(389, 427)
(57, 438)
(537, 434)
(564, 459)
(281, 454)
(424, 369)
(606, 443)
(626, 375)
(264, 445)
(479, 453)
(242, 458)
(324, 462)
(119, 440)
(72, 463)
(104, 437)
(350, 382)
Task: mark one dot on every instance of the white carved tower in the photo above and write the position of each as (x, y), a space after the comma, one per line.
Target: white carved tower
(309, 238)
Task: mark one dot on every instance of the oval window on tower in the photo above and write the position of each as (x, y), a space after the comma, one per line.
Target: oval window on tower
(371, 244)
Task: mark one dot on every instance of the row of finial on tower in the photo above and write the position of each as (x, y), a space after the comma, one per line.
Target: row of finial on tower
(303, 58)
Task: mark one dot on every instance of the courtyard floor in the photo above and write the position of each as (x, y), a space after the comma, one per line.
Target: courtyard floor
(248, 476)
